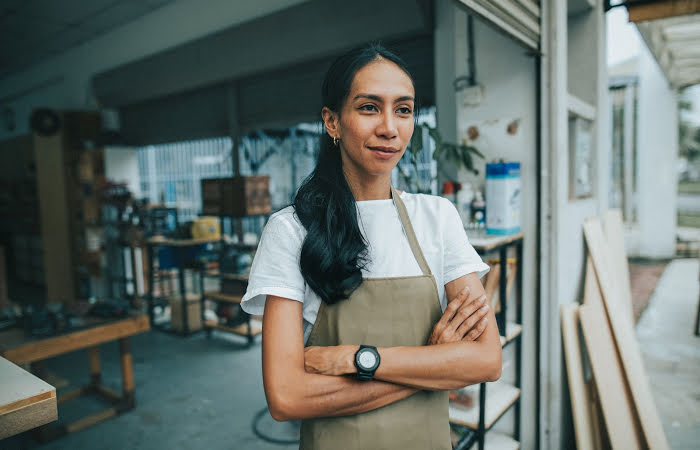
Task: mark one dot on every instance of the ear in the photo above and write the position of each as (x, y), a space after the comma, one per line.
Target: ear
(331, 121)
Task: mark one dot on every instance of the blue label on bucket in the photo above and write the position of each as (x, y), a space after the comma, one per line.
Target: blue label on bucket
(503, 170)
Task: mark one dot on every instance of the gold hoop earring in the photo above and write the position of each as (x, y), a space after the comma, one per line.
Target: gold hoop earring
(335, 141)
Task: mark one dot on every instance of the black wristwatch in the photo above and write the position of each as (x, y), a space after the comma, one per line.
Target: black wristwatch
(367, 361)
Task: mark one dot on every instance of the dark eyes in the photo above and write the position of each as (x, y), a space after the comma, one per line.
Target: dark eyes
(373, 108)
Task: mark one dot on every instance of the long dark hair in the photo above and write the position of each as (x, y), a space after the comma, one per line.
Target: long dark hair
(334, 251)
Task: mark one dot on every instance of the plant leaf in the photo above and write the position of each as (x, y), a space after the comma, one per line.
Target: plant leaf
(417, 140)
(435, 134)
(469, 148)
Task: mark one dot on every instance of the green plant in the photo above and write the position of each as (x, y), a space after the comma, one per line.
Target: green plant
(458, 155)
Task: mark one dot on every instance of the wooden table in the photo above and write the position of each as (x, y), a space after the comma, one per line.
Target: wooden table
(16, 347)
(26, 401)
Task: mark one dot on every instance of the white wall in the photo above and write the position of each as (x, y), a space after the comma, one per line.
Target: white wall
(508, 76)
(122, 166)
(573, 62)
(657, 156)
(164, 28)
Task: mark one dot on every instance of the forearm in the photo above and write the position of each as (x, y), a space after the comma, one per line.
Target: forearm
(310, 395)
(439, 367)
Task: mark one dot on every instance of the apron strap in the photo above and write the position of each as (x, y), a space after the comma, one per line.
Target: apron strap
(410, 234)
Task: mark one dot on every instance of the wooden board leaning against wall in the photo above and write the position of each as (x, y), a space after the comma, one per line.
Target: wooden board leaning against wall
(612, 288)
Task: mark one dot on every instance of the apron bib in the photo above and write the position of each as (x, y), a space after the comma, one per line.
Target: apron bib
(384, 312)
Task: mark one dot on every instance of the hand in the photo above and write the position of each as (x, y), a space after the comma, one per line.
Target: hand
(331, 360)
(463, 319)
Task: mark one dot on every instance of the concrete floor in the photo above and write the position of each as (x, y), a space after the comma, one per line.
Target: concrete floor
(671, 352)
(191, 393)
(198, 393)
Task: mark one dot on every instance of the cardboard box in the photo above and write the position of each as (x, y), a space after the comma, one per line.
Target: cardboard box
(194, 313)
(237, 196)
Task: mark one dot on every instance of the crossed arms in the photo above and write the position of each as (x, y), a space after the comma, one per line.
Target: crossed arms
(464, 348)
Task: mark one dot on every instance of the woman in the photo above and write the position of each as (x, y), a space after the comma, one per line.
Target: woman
(358, 341)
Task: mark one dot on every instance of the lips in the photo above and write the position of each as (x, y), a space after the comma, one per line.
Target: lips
(386, 150)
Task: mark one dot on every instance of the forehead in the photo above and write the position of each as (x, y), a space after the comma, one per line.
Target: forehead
(383, 78)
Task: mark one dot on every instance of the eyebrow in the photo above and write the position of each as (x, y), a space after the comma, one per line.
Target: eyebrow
(379, 99)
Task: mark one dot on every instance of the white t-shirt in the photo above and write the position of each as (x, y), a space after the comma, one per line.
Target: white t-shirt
(438, 228)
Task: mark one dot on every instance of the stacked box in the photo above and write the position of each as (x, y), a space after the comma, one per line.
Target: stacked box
(194, 313)
(237, 196)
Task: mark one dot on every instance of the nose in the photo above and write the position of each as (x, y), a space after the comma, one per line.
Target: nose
(387, 126)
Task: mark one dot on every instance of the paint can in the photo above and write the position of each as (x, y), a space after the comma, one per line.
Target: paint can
(503, 185)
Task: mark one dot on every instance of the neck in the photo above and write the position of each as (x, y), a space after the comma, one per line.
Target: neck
(369, 187)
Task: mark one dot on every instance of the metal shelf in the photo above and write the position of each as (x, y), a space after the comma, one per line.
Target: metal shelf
(501, 397)
(218, 296)
(242, 330)
(513, 331)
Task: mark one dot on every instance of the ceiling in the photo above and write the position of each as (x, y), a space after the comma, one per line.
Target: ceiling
(671, 31)
(32, 30)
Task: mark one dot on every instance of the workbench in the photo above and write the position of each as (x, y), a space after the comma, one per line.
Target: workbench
(26, 401)
(29, 351)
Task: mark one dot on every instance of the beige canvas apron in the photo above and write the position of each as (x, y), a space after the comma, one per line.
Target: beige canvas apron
(384, 312)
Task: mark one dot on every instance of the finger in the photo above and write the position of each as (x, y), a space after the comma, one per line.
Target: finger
(473, 320)
(451, 309)
(477, 331)
(465, 313)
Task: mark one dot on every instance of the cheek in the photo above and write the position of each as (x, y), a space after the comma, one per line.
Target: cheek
(407, 131)
(358, 131)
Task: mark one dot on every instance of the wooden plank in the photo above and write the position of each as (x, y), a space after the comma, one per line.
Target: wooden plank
(28, 417)
(25, 400)
(215, 295)
(127, 366)
(256, 327)
(4, 300)
(164, 242)
(484, 244)
(513, 330)
(491, 285)
(625, 338)
(577, 384)
(47, 348)
(72, 394)
(20, 388)
(91, 420)
(55, 220)
(615, 235)
(500, 397)
(661, 9)
(600, 434)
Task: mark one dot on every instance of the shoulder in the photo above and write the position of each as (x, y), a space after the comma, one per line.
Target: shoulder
(285, 222)
(427, 204)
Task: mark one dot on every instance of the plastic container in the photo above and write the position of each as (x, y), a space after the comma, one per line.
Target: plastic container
(478, 210)
(503, 187)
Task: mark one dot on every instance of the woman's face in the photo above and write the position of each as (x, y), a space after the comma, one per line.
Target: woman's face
(376, 122)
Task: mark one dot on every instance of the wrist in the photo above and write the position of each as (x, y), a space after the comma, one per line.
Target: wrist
(349, 360)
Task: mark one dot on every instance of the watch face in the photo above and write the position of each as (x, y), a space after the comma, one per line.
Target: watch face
(367, 359)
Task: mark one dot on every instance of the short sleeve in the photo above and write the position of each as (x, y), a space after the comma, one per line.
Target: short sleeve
(275, 269)
(460, 258)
